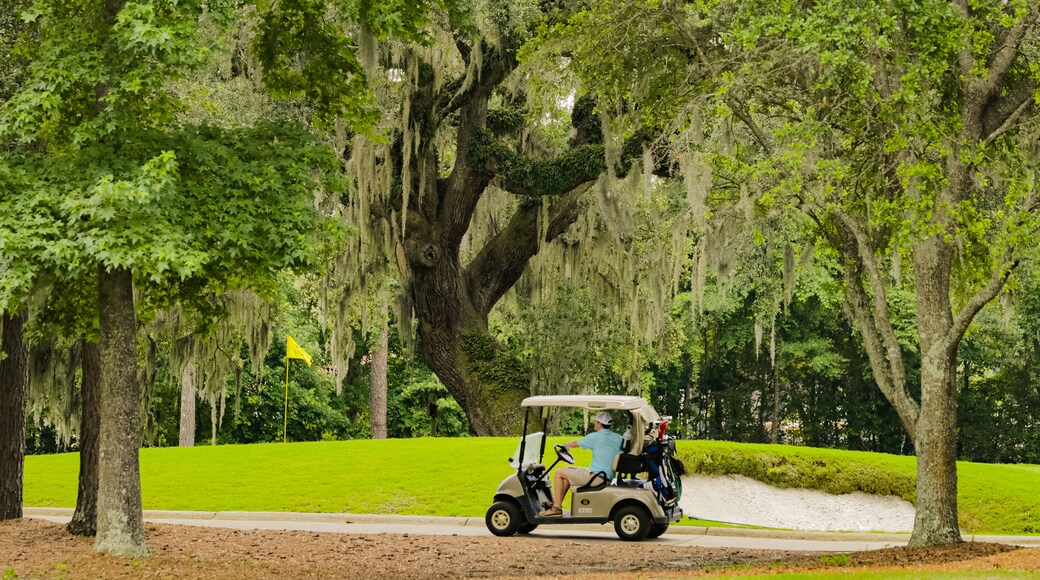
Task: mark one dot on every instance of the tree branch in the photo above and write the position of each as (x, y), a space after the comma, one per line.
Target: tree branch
(1000, 117)
(981, 91)
(521, 175)
(740, 110)
(976, 302)
(496, 66)
(881, 324)
(504, 258)
(1006, 52)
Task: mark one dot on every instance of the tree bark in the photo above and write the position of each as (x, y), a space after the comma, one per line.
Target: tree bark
(935, 520)
(84, 519)
(188, 398)
(935, 434)
(774, 431)
(377, 373)
(487, 382)
(120, 529)
(14, 380)
(433, 409)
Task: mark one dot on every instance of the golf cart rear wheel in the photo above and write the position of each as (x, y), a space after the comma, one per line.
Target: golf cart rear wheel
(656, 530)
(503, 518)
(632, 523)
(526, 528)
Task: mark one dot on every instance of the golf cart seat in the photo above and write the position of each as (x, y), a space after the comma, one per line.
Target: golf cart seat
(599, 481)
(630, 465)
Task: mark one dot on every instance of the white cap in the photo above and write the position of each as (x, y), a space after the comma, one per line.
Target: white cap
(603, 418)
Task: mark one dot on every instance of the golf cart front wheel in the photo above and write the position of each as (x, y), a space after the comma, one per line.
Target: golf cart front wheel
(632, 523)
(656, 530)
(503, 518)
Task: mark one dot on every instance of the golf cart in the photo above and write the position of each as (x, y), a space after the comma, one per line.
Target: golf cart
(642, 498)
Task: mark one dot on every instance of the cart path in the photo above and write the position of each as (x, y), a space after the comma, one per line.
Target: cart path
(689, 536)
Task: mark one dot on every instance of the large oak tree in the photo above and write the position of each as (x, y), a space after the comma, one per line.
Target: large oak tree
(456, 133)
(896, 131)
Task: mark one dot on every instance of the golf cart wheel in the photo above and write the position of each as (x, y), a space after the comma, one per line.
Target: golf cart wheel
(632, 523)
(503, 518)
(656, 530)
(526, 528)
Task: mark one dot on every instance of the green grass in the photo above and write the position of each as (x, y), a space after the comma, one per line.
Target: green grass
(458, 477)
(892, 575)
(429, 476)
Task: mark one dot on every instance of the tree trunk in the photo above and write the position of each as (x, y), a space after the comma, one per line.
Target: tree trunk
(120, 529)
(377, 393)
(935, 434)
(14, 379)
(433, 409)
(487, 382)
(188, 397)
(84, 520)
(452, 303)
(774, 431)
(935, 444)
(854, 401)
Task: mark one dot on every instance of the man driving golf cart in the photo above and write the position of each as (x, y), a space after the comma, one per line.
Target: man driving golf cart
(605, 445)
(638, 490)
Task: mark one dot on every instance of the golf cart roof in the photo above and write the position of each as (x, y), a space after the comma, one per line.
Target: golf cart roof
(595, 402)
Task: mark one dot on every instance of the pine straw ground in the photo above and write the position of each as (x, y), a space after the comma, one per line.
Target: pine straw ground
(39, 549)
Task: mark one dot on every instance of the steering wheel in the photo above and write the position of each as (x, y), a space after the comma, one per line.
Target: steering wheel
(563, 453)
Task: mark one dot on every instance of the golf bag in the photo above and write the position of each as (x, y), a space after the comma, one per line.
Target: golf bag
(664, 470)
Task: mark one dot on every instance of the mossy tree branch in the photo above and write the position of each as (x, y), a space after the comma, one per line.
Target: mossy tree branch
(504, 258)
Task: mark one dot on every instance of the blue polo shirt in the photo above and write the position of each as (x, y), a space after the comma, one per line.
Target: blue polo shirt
(605, 444)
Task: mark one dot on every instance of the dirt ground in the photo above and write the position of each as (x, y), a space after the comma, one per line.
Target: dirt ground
(39, 549)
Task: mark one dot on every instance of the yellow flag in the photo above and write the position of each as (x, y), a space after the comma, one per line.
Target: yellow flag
(293, 350)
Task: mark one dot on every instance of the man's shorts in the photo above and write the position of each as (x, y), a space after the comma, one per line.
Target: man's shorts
(578, 476)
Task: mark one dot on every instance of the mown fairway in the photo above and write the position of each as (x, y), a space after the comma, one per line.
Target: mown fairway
(457, 477)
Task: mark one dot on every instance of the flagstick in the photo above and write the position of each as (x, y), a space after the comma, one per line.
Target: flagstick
(285, 424)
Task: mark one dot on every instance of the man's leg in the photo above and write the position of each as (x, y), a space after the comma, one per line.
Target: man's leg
(565, 484)
(560, 487)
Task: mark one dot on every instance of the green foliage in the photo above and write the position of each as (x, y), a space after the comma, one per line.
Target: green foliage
(195, 212)
(999, 407)
(315, 413)
(720, 385)
(508, 120)
(421, 407)
(571, 344)
(547, 177)
(306, 50)
(11, 63)
(306, 54)
(130, 56)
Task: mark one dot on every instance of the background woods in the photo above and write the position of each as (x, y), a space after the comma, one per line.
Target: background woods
(808, 223)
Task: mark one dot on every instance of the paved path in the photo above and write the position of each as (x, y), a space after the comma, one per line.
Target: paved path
(446, 526)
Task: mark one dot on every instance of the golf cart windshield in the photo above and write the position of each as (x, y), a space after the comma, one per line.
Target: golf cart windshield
(643, 414)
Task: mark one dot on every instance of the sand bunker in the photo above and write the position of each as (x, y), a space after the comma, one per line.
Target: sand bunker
(742, 500)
